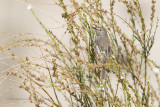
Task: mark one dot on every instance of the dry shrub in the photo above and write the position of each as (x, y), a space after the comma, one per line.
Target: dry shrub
(75, 72)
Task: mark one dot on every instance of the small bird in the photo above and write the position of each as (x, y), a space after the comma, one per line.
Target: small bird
(102, 47)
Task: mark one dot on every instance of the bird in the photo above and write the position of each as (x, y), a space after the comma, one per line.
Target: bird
(102, 46)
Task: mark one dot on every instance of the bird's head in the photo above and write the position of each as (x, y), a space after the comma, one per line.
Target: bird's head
(100, 31)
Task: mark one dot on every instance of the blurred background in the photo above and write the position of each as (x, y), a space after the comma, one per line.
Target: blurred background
(15, 18)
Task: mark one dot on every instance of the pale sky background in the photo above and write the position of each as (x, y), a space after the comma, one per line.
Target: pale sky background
(15, 18)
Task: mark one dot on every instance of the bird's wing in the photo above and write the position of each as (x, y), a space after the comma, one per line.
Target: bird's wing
(103, 44)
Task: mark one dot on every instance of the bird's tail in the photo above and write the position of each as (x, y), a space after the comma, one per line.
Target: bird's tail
(103, 73)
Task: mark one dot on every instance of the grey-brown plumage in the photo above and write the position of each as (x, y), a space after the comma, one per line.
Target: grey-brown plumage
(102, 46)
